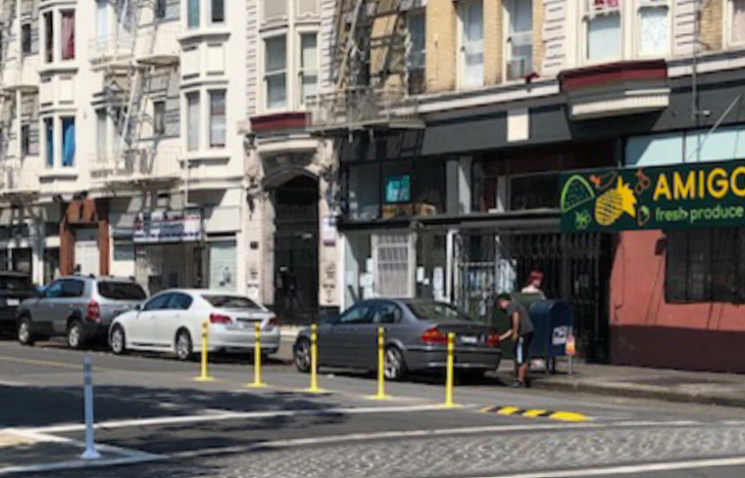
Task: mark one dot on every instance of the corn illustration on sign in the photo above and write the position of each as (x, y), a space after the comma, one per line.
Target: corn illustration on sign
(684, 196)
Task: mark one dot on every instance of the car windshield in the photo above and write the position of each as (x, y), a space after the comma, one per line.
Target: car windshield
(436, 311)
(121, 291)
(15, 283)
(231, 302)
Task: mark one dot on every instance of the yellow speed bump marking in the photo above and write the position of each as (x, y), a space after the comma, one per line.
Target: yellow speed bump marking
(534, 413)
(537, 413)
(568, 417)
(507, 411)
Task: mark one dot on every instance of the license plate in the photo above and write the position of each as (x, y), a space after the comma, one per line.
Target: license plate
(12, 302)
(469, 340)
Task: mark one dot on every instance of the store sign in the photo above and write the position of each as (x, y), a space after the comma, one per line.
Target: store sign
(682, 196)
(167, 226)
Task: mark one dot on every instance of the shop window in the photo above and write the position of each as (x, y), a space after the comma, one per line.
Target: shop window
(603, 29)
(275, 71)
(737, 22)
(193, 13)
(519, 48)
(416, 57)
(308, 66)
(26, 43)
(192, 121)
(67, 40)
(159, 118)
(48, 37)
(217, 119)
(49, 137)
(217, 11)
(363, 186)
(68, 142)
(705, 265)
(535, 191)
(430, 187)
(471, 15)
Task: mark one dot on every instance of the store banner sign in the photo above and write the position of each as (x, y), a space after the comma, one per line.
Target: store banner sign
(167, 226)
(669, 197)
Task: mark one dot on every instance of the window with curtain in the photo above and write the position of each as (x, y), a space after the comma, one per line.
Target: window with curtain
(472, 42)
(519, 39)
(737, 25)
(67, 40)
(416, 58)
(68, 142)
(192, 121)
(48, 37)
(275, 71)
(193, 13)
(218, 11)
(217, 119)
(603, 20)
(654, 29)
(308, 66)
(101, 133)
(49, 139)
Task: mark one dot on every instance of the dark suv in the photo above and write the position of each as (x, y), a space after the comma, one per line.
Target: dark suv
(15, 287)
(78, 307)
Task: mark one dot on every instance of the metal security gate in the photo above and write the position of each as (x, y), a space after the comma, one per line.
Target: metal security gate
(393, 256)
(576, 268)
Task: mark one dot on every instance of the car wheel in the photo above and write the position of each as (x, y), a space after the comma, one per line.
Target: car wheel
(302, 356)
(118, 341)
(75, 337)
(395, 365)
(183, 345)
(25, 332)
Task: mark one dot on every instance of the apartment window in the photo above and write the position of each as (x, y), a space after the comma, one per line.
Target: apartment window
(159, 118)
(308, 66)
(102, 126)
(192, 121)
(48, 37)
(68, 142)
(416, 52)
(217, 119)
(218, 11)
(654, 28)
(603, 35)
(193, 14)
(102, 21)
(26, 43)
(737, 22)
(49, 137)
(275, 71)
(67, 40)
(519, 49)
(472, 43)
(274, 9)
(160, 9)
(25, 140)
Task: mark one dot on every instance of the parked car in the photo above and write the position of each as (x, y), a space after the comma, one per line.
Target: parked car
(15, 287)
(416, 336)
(80, 308)
(171, 321)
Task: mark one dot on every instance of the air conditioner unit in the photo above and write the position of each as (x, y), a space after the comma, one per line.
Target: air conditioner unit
(517, 68)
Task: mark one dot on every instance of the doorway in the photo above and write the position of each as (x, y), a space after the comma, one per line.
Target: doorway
(296, 250)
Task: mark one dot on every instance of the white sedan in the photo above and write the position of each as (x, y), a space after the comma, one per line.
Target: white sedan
(171, 321)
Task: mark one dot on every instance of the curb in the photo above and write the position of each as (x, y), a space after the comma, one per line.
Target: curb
(641, 392)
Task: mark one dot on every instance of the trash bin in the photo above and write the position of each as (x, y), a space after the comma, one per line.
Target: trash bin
(553, 321)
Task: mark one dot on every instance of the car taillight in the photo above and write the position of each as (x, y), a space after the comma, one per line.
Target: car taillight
(220, 319)
(94, 311)
(434, 336)
(273, 322)
(492, 340)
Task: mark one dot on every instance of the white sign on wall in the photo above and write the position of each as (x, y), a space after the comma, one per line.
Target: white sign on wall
(167, 226)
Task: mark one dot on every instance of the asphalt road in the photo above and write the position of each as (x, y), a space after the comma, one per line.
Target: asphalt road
(155, 420)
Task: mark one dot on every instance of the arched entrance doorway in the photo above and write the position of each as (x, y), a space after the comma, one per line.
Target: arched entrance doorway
(296, 250)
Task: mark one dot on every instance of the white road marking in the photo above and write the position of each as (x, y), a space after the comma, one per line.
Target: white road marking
(631, 469)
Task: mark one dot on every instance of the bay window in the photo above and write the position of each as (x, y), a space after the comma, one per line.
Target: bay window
(217, 119)
(519, 48)
(604, 36)
(217, 11)
(275, 71)
(49, 141)
(308, 66)
(736, 22)
(192, 121)
(416, 52)
(48, 37)
(471, 23)
(193, 13)
(68, 142)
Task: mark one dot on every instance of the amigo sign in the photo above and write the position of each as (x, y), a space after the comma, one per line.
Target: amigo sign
(682, 196)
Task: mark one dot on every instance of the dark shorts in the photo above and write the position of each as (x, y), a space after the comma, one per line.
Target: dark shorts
(522, 349)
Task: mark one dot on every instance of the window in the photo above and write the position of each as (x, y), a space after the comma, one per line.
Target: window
(102, 22)
(159, 302)
(275, 72)
(737, 22)
(161, 9)
(603, 21)
(705, 265)
(49, 136)
(217, 119)
(363, 191)
(231, 302)
(416, 52)
(159, 118)
(358, 314)
(121, 291)
(54, 290)
(436, 311)
(72, 288)
(471, 43)
(520, 38)
(193, 14)
(25, 140)
(68, 142)
(308, 66)
(654, 28)
(67, 40)
(387, 313)
(48, 37)
(26, 43)
(180, 302)
(192, 121)
(218, 11)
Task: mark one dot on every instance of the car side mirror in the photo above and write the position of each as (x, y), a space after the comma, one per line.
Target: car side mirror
(138, 307)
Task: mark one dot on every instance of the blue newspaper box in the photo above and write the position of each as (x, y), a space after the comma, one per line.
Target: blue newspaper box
(553, 321)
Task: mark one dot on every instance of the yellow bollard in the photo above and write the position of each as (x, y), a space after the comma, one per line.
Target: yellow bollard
(314, 388)
(204, 376)
(450, 382)
(381, 367)
(257, 359)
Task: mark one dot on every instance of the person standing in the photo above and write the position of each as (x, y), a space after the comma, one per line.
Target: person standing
(534, 283)
(521, 333)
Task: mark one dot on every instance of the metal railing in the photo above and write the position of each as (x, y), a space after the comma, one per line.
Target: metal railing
(115, 47)
(362, 107)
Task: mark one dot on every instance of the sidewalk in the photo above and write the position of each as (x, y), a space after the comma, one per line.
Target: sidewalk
(671, 385)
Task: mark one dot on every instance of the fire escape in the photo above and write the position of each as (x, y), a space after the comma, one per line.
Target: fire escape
(132, 60)
(369, 72)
